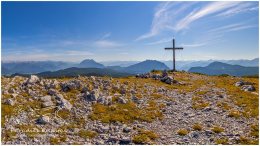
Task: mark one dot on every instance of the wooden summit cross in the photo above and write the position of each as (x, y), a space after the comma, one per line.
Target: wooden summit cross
(173, 50)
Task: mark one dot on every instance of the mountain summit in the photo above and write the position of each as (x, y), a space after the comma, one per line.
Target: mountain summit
(147, 66)
(90, 63)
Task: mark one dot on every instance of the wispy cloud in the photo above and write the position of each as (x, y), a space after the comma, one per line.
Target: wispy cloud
(106, 35)
(242, 8)
(231, 27)
(164, 17)
(209, 9)
(161, 41)
(169, 16)
(194, 45)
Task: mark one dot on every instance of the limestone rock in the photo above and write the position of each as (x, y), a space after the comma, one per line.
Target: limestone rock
(9, 102)
(33, 79)
(46, 98)
(62, 102)
(122, 100)
(43, 120)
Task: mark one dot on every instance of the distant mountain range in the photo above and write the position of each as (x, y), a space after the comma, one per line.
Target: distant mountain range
(74, 72)
(186, 65)
(32, 67)
(127, 67)
(145, 66)
(218, 68)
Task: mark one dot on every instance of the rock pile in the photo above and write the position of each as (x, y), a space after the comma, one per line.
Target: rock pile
(245, 86)
(164, 77)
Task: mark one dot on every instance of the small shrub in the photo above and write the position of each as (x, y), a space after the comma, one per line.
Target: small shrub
(64, 114)
(223, 141)
(217, 129)
(223, 105)
(183, 132)
(197, 127)
(144, 137)
(87, 134)
(199, 103)
(246, 141)
(9, 135)
(234, 113)
(54, 141)
(254, 131)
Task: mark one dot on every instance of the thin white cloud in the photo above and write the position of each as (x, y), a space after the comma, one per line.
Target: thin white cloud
(242, 8)
(107, 35)
(169, 15)
(164, 18)
(164, 40)
(209, 9)
(194, 45)
(231, 27)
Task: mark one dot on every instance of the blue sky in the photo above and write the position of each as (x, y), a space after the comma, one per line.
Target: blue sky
(108, 31)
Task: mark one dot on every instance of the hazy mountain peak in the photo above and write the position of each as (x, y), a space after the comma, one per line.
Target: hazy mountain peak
(90, 63)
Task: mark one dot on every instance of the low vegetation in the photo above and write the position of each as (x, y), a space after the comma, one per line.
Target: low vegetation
(183, 132)
(125, 113)
(87, 134)
(197, 127)
(223, 141)
(198, 103)
(144, 137)
(217, 129)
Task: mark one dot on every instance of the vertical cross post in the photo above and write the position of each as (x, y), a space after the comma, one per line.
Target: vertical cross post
(173, 50)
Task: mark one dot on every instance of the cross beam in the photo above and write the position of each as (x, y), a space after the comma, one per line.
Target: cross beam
(173, 50)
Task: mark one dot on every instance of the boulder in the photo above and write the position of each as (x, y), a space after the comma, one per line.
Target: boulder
(43, 120)
(46, 98)
(11, 90)
(47, 104)
(239, 83)
(93, 96)
(52, 92)
(126, 129)
(164, 74)
(9, 102)
(136, 100)
(248, 88)
(62, 102)
(125, 141)
(122, 100)
(33, 79)
(71, 85)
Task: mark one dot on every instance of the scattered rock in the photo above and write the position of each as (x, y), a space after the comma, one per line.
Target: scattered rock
(126, 129)
(9, 102)
(248, 88)
(52, 92)
(46, 98)
(122, 100)
(92, 96)
(43, 120)
(62, 102)
(71, 85)
(47, 104)
(33, 79)
(125, 141)
(239, 83)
